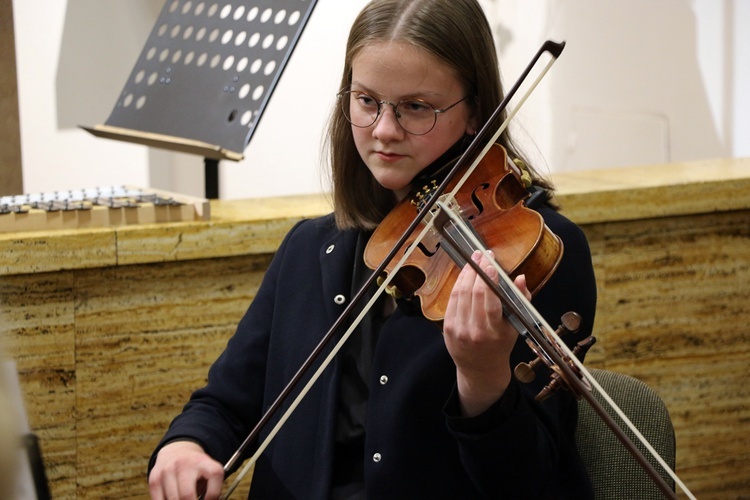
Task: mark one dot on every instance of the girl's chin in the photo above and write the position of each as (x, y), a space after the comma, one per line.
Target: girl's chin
(393, 183)
(400, 194)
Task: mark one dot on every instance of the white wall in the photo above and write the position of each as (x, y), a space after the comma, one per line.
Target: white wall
(55, 156)
(738, 105)
(639, 82)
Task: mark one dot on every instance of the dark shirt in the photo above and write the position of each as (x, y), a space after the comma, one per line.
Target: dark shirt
(356, 371)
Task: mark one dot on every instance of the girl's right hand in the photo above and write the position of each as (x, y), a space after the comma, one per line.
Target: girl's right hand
(183, 470)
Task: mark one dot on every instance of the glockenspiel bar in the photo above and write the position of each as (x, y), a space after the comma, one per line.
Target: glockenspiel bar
(27, 211)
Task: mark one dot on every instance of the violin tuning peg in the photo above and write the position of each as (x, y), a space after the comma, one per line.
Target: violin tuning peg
(554, 384)
(583, 346)
(570, 323)
(526, 372)
(556, 381)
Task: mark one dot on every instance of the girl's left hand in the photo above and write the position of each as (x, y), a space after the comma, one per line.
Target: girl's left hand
(478, 337)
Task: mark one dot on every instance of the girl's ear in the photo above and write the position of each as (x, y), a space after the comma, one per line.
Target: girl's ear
(471, 124)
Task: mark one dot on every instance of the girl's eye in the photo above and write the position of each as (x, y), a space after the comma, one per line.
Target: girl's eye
(366, 101)
(414, 107)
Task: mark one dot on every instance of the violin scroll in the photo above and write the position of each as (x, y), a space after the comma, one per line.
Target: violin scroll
(526, 372)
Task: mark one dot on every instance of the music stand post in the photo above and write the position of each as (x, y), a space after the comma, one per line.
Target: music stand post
(205, 76)
(211, 178)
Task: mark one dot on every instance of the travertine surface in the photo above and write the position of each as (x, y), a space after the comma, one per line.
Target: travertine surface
(112, 328)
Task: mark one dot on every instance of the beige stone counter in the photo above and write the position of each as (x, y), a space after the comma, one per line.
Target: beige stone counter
(112, 328)
(631, 193)
(240, 227)
(235, 228)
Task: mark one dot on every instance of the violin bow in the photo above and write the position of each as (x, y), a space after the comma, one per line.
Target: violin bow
(554, 49)
(533, 324)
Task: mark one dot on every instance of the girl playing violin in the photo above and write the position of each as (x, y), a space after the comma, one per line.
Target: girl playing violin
(405, 410)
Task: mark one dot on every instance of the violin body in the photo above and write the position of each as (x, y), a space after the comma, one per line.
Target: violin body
(492, 202)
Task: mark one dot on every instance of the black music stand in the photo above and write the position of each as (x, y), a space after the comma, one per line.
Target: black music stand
(205, 76)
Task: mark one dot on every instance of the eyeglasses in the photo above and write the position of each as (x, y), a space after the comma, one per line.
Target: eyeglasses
(415, 116)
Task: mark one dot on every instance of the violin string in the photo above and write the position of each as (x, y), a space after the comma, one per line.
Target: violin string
(490, 143)
(457, 220)
(456, 234)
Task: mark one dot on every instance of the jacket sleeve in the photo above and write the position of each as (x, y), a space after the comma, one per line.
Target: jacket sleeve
(221, 414)
(521, 448)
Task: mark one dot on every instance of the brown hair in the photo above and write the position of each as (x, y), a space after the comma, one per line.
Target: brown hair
(456, 32)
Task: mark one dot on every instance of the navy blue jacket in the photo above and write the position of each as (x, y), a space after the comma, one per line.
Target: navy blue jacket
(416, 444)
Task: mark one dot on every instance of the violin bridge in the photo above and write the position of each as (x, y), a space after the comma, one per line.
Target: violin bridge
(438, 216)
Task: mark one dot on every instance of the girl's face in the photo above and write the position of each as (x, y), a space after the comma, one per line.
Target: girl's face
(393, 71)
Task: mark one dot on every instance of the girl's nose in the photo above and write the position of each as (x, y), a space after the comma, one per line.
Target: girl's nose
(387, 127)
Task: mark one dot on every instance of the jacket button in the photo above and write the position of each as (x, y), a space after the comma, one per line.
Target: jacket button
(376, 457)
(383, 379)
(339, 299)
(330, 248)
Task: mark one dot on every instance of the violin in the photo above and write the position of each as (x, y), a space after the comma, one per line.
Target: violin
(492, 202)
(490, 209)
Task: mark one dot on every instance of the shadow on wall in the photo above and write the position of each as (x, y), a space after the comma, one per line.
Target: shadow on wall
(101, 42)
(630, 89)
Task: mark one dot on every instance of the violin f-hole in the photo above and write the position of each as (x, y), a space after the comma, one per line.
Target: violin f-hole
(477, 202)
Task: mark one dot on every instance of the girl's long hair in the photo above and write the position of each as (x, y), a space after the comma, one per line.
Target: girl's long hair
(456, 32)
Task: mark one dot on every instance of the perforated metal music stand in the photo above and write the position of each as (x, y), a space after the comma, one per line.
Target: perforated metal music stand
(205, 76)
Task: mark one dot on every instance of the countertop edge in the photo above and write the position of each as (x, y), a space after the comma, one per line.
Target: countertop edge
(257, 226)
